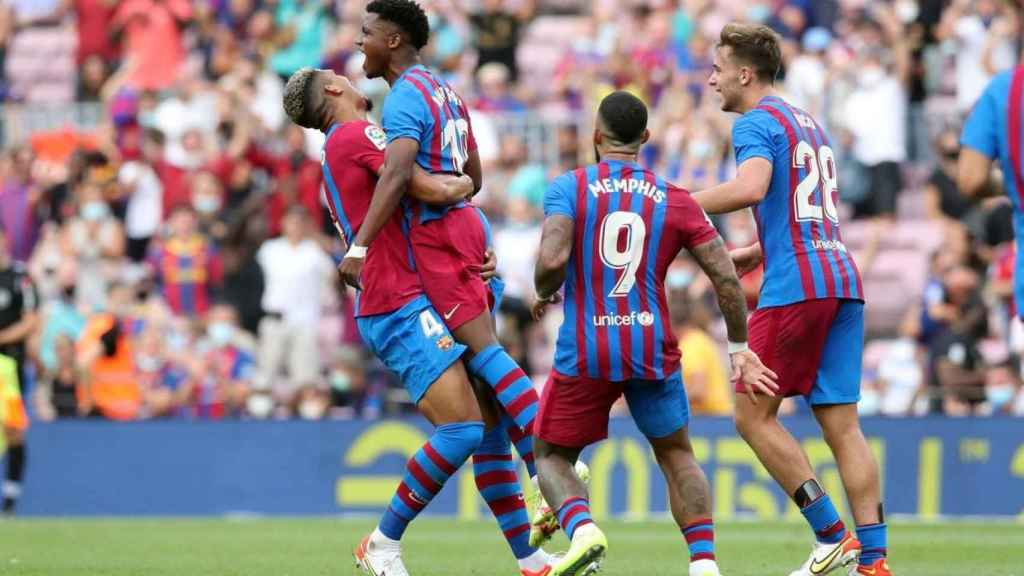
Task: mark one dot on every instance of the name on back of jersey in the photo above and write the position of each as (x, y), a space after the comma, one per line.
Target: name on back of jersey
(444, 94)
(627, 185)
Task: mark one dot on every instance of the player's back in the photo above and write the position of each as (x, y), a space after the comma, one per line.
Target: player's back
(995, 128)
(352, 155)
(423, 107)
(798, 220)
(629, 226)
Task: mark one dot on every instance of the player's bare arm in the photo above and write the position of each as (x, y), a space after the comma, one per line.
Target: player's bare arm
(555, 248)
(440, 189)
(973, 172)
(474, 169)
(399, 159)
(753, 177)
(716, 263)
(746, 259)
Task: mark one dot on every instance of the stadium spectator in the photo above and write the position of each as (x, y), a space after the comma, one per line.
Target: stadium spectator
(186, 265)
(64, 380)
(105, 353)
(219, 382)
(497, 31)
(297, 272)
(303, 28)
(704, 371)
(151, 37)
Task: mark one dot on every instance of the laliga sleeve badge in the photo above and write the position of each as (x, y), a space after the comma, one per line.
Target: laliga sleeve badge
(377, 136)
(445, 343)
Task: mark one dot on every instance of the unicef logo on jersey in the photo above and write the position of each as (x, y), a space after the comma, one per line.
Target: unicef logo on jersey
(633, 318)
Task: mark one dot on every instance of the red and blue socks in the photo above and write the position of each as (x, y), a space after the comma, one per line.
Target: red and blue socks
(700, 538)
(873, 541)
(573, 513)
(498, 483)
(427, 471)
(824, 520)
(522, 440)
(513, 387)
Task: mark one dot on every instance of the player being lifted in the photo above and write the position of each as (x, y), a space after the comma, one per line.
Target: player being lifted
(398, 323)
(610, 232)
(427, 124)
(809, 326)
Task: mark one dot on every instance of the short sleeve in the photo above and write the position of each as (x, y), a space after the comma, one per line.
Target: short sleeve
(752, 137)
(692, 223)
(560, 197)
(980, 129)
(405, 115)
(368, 151)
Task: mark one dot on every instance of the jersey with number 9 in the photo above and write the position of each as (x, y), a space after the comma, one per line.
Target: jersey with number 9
(797, 222)
(629, 226)
(425, 108)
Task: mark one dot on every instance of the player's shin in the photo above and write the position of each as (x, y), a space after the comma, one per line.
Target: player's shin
(819, 511)
(498, 483)
(512, 386)
(425, 474)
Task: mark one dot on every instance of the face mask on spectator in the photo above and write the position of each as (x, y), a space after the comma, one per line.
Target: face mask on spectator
(146, 363)
(260, 405)
(340, 380)
(221, 333)
(999, 396)
(699, 149)
(679, 278)
(870, 402)
(94, 210)
(871, 75)
(146, 119)
(907, 10)
(311, 409)
(758, 13)
(206, 204)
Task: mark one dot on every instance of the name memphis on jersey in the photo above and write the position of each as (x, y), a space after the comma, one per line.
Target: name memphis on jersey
(627, 185)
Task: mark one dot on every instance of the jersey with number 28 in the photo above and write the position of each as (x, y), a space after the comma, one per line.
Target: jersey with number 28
(797, 222)
(629, 226)
(423, 107)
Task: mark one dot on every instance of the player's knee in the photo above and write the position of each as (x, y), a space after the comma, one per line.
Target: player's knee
(463, 437)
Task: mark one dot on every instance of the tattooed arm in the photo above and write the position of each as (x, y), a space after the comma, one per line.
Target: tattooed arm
(555, 249)
(715, 261)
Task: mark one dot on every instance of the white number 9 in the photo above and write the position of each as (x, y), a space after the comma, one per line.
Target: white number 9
(628, 258)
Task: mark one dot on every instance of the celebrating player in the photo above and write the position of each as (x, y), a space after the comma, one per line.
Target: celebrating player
(403, 329)
(809, 326)
(610, 232)
(995, 129)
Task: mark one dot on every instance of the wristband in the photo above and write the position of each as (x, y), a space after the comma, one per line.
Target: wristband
(736, 347)
(356, 251)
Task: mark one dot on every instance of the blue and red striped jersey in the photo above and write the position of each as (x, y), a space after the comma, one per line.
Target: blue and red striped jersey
(629, 226)
(425, 108)
(797, 221)
(995, 128)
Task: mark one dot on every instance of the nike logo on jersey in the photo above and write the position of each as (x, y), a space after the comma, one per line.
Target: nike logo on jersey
(448, 316)
(821, 566)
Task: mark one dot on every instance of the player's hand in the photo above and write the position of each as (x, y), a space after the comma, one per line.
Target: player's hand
(746, 260)
(489, 269)
(755, 376)
(540, 306)
(350, 269)
(459, 187)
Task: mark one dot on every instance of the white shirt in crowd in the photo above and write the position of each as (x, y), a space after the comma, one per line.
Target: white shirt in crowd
(876, 114)
(296, 277)
(971, 75)
(518, 247)
(145, 205)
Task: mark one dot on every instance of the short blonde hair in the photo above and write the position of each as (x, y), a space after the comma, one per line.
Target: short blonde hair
(755, 45)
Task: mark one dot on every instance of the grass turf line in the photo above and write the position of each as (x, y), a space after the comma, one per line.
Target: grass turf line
(436, 547)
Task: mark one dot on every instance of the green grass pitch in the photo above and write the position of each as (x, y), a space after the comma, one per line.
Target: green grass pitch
(436, 547)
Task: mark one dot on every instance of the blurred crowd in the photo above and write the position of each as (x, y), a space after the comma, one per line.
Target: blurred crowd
(184, 259)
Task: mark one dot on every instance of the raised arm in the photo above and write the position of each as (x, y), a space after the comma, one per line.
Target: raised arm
(399, 159)
(552, 260)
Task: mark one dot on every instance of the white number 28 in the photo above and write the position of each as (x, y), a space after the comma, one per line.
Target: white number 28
(456, 137)
(821, 168)
(629, 257)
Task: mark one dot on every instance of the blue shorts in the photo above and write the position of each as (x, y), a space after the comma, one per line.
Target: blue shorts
(413, 342)
(815, 346)
(574, 410)
(497, 287)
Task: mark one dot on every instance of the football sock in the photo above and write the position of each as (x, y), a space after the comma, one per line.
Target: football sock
(514, 389)
(523, 442)
(15, 472)
(873, 540)
(700, 538)
(427, 471)
(496, 478)
(573, 513)
(824, 520)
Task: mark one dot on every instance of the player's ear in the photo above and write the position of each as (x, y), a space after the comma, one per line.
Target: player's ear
(394, 41)
(745, 76)
(645, 136)
(598, 137)
(333, 89)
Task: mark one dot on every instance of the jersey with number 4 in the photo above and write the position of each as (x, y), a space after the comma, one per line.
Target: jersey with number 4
(423, 107)
(352, 155)
(797, 221)
(629, 226)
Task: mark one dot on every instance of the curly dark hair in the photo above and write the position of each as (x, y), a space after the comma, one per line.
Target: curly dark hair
(405, 14)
